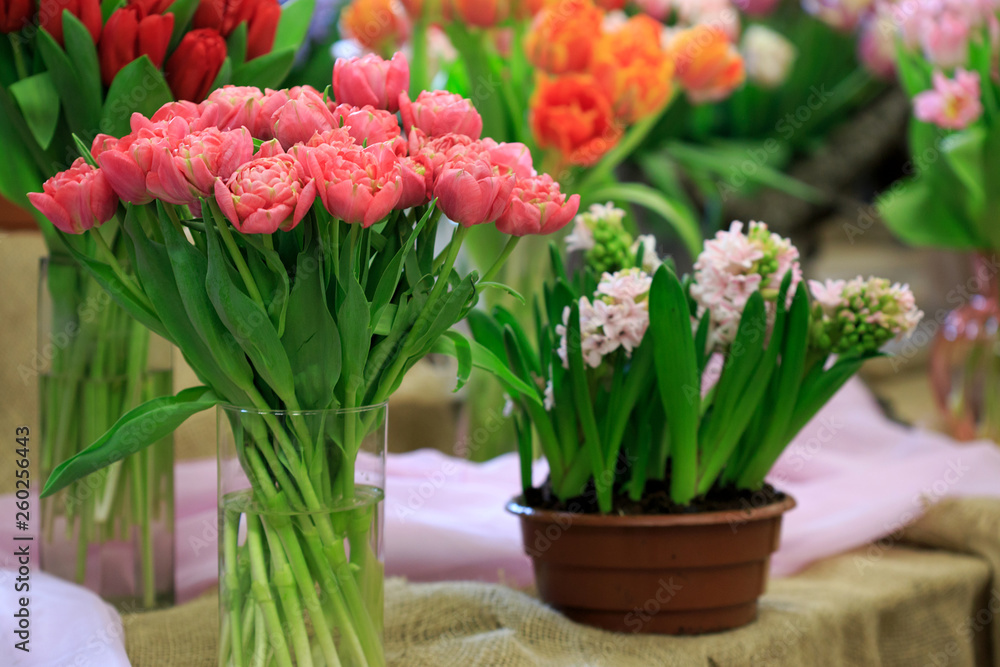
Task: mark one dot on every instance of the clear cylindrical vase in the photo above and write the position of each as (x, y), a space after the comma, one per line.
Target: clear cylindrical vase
(112, 531)
(300, 537)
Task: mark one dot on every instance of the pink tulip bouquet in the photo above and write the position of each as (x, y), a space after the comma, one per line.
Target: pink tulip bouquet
(946, 59)
(644, 383)
(284, 240)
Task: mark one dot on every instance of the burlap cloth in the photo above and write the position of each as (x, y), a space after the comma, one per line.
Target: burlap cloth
(927, 600)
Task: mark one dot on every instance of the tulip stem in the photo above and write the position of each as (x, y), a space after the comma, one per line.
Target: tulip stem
(501, 260)
(237, 255)
(109, 256)
(15, 45)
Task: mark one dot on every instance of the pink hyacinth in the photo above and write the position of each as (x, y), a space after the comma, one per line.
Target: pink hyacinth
(128, 163)
(732, 267)
(952, 104)
(356, 185)
(266, 194)
(371, 81)
(77, 199)
(472, 191)
(537, 207)
(439, 112)
(188, 171)
(366, 125)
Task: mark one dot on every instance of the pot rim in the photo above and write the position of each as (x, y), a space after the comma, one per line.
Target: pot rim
(515, 506)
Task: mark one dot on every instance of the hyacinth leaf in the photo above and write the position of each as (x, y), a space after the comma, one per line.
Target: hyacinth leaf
(558, 265)
(245, 318)
(82, 115)
(136, 430)
(463, 355)
(122, 102)
(991, 169)
(677, 377)
(701, 342)
(294, 24)
(236, 45)
(267, 71)
(507, 319)
(108, 8)
(190, 267)
(680, 218)
(485, 360)
(585, 411)
(39, 102)
(635, 385)
(818, 388)
(486, 332)
(525, 450)
(183, 11)
(312, 339)
(82, 53)
(507, 289)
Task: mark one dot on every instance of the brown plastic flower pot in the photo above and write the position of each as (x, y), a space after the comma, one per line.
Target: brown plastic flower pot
(673, 574)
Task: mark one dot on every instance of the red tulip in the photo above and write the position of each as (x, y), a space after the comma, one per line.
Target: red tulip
(537, 207)
(472, 191)
(195, 63)
(261, 17)
(50, 14)
(76, 199)
(129, 33)
(14, 14)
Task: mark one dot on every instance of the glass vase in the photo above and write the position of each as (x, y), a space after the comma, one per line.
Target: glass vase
(300, 522)
(112, 531)
(965, 358)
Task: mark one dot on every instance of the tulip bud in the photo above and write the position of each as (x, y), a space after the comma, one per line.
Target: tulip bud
(14, 14)
(195, 63)
(76, 199)
(261, 17)
(129, 33)
(50, 13)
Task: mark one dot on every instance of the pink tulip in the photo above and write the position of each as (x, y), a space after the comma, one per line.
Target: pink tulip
(515, 156)
(266, 194)
(877, 48)
(537, 207)
(242, 106)
(367, 125)
(953, 104)
(188, 172)
(338, 137)
(76, 199)
(440, 150)
(198, 116)
(440, 112)
(102, 143)
(945, 39)
(300, 118)
(127, 164)
(370, 81)
(357, 185)
(472, 191)
(757, 7)
(417, 181)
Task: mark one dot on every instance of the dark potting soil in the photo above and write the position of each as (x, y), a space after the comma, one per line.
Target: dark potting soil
(655, 500)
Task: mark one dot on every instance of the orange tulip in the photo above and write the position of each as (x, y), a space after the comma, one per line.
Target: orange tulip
(633, 68)
(481, 13)
(571, 114)
(707, 64)
(379, 25)
(561, 38)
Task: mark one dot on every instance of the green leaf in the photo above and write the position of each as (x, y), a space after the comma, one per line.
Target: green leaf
(225, 75)
(312, 339)
(294, 24)
(389, 280)
(502, 287)
(267, 71)
(82, 53)
(84, 151)
(246, 320)
(39, 102)
(136, 430)
(183, 11)
(486, 331)
(108, 8)
(485, 360)
(677, 378)
(918, 216)
(122, 100)
(463, 354)
(236, 45)
(355, 336)
(680, 218)
(81, 113)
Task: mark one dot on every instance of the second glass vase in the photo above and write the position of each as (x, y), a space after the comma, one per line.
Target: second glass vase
(300, 524)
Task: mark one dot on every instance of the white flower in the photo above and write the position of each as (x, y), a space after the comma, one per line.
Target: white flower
(550, 396)
(650, 261)
(768, 56)
(627, 285)
(581, 238)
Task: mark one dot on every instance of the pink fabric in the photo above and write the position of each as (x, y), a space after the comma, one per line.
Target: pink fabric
(857, 478)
